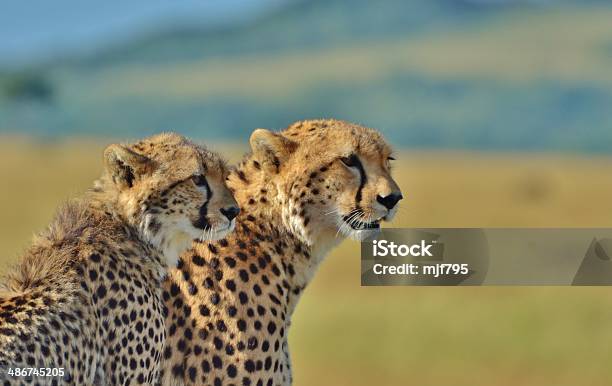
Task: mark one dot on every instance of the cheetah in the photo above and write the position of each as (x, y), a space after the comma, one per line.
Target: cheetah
(301, 191)
(84, 302)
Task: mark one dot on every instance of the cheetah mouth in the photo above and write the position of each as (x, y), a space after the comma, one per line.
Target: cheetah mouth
(360, 225)
(208, 231)
(218, 231)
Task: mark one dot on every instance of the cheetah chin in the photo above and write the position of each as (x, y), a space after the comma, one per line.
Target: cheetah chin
(217, 233)
(184, 238)
(359, 230)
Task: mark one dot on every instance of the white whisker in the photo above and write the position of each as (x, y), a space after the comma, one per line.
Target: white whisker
(332, 212)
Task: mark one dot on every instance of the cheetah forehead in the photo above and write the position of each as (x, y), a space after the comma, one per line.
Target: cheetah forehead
(337, 136)
(178, 157)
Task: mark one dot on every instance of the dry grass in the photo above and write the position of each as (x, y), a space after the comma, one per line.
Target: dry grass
(343, 334)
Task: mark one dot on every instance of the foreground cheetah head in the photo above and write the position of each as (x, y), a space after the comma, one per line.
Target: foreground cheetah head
(333, 178)
(169, 189)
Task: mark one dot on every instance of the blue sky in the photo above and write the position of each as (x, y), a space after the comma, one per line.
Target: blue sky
(37, 30)
(34, 30)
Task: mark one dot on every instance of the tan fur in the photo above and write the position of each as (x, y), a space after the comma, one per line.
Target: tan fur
(52, 252)
(85, 295)
(230, 302)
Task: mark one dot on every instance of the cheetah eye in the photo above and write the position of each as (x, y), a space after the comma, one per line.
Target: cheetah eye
(350, 161)
(199, 180)
(390, 159)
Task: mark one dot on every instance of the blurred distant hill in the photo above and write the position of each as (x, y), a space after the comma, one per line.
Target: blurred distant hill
(301, 25)
(522, 75)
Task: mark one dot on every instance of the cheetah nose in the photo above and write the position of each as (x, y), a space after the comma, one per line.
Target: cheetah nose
(230, 212)
(389, 201)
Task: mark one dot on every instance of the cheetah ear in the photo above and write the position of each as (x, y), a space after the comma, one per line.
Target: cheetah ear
(271, 149)
(124, 166)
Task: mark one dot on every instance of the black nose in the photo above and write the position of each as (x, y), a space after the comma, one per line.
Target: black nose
(230, 212)
(389, 201)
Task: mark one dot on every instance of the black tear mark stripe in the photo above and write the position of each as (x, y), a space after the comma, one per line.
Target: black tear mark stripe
(362, 178)
(202, 222)
(209, 192)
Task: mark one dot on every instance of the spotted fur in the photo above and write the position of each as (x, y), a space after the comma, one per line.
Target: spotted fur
(230, 301)
(86, 296)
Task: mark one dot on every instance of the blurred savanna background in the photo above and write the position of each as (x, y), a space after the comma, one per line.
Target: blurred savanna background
(499, 110)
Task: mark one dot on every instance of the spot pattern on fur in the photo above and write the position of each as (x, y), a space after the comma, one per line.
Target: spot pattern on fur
(230, 301)
(86, 296)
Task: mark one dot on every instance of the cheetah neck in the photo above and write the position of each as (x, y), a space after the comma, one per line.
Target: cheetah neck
(263, 204)
(107, 202)
(52, 251)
